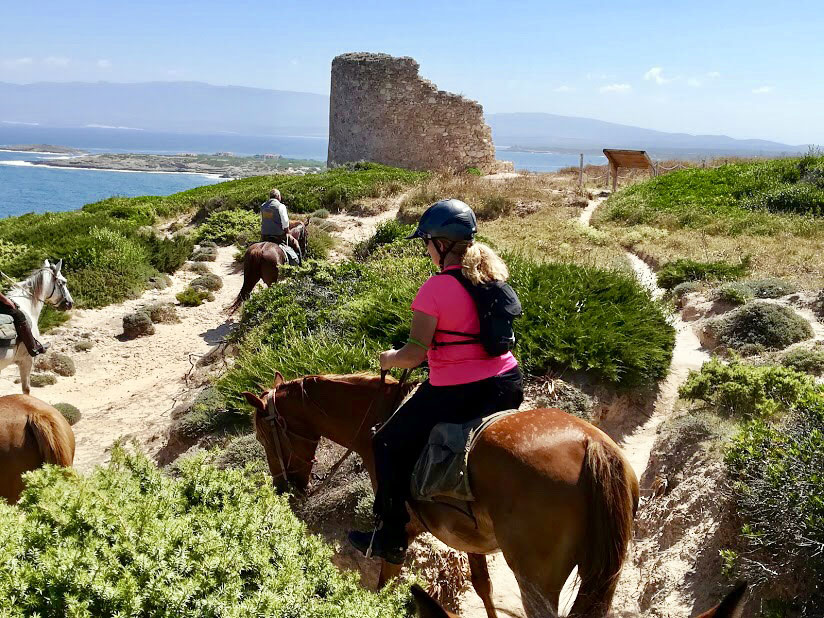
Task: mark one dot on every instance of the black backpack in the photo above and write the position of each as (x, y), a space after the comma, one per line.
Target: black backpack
(498, 306)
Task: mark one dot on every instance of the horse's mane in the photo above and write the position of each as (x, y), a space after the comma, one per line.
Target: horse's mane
(362, 378)
(33, 283)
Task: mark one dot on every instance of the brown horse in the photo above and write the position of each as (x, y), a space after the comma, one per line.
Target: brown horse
(262, 259)
(552, 491)
(32, 433)
(730, 607)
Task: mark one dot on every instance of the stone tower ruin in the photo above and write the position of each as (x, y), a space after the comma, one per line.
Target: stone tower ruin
(381, 110)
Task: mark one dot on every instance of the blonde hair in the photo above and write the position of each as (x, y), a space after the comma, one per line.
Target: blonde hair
(480, 264)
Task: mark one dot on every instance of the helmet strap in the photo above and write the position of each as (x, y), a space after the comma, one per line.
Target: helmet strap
(445, 252)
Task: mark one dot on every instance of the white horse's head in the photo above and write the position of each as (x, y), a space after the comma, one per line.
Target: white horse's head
(54, 288)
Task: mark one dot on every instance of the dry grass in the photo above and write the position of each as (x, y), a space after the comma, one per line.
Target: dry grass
(785, 256)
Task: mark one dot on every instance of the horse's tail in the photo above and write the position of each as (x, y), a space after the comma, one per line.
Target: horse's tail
(612, 496)
(53, 434)
(251, 274)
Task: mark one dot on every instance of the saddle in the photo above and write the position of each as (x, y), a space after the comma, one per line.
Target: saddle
(441, 473)
(291, 256)
(8, 333)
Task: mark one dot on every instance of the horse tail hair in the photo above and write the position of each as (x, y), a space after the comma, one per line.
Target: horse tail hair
(612, 495)
(54, 436)
(251, 274)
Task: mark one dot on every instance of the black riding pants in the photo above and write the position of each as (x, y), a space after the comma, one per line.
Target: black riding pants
(400, 441)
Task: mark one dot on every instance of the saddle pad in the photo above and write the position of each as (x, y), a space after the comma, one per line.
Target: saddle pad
(290, 254)
(442, 470)
(6, 319)
(7, 331)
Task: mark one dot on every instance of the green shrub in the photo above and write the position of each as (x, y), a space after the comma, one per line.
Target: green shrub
(210, 282)
(168, 254)
(318, 244)
(776, 472)
(59, 363)
(38, 380)
(386, 233)
(191, 297)
(199, 268)
(320, 213)
(494, 206)
(224, 227)
(679, 271)
(163, 313)
(83, 346)
(771, 287)
(207, 415)
(69, 412)
(773, 326)
(735, 293)
(474, 171)
(688, 287)
(129, 541)
(204, 254)
(805, 360)
(599, 321)
(745, 391)
(243, 451)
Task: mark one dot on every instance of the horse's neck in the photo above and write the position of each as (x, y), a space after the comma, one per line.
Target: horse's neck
(23, 295)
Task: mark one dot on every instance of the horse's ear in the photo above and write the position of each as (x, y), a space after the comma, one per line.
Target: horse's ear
(427, 606)
(731, 607)
(254, 401)
(46, 264)
(278, 379)
(58, 266)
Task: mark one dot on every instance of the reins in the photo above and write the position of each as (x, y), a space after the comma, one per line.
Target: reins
(278, 422)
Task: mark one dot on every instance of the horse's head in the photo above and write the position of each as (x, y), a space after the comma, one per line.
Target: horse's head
(292, 416)
(55, 291)
(287, 434)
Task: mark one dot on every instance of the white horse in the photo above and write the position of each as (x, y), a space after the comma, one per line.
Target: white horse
(45, 285)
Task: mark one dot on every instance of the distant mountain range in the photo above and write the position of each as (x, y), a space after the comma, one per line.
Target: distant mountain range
(194, 107)
(537, 131)
(185, 107)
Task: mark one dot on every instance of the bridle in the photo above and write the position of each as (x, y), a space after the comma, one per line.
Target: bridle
(26, 290)
(281, 428)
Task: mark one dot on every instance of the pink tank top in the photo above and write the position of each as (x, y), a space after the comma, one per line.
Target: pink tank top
(446, 299)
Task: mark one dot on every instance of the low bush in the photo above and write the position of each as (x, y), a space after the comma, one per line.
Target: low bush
(127, 540)
(243, 451)
(168, 254)
(735, 293)
(208, 414)
(69, 412)
(818, 304)
(137, 324)
(320, 213)
(679, 271)
(199, 268)
(318, 244)
(688, 287)
(163, 313)
(763, 323)
(805, 360)
(745, 391)
(39, 380)
(776, 471)
(83, 346)
(771, 287)
(386, 233)
(204, 254)
(192, 297)
(224, 227)
(210, 282)
(59, 363)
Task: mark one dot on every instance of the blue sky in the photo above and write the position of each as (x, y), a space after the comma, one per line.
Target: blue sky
(745, 69)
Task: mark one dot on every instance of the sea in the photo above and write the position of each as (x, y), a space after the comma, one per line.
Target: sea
(27, 188)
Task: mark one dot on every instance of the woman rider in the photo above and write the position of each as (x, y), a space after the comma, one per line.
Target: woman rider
(464, 381)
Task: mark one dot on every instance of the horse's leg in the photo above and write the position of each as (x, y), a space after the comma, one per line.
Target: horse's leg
(24, 365)
(480, 581)
(388, 571)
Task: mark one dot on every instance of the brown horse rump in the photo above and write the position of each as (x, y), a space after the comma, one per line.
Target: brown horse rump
(442, 470)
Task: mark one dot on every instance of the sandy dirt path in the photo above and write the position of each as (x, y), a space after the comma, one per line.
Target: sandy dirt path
(129, 388)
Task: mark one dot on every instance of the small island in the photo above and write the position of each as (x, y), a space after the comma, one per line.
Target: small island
(223, 164)
(44, 148)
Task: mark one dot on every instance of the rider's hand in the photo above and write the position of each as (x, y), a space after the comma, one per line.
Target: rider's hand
(387, 360)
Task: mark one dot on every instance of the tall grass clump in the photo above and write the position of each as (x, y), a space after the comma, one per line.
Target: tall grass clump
(680, 271)
(129, 541)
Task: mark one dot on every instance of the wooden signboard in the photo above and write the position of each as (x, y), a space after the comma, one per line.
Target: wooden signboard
(634, 159)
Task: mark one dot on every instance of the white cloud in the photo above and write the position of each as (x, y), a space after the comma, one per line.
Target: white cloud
(621, 88)
(713, 74)
(695, 83)
(16, 63)
(762, 90)
(563, 88)
(656, 74)
(104, 64)
(56, 61)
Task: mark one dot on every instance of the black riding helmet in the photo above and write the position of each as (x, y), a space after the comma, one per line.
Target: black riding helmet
(448, 219)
